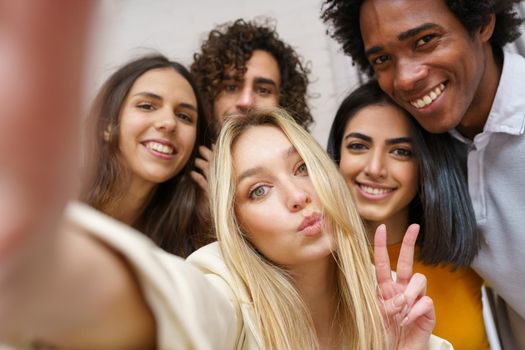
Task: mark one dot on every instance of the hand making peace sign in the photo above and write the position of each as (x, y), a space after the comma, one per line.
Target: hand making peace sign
(408, 311)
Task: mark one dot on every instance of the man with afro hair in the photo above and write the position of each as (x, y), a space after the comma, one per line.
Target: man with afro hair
(443, 61)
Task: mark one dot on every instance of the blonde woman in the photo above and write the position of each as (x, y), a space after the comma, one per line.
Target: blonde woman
(289, 231)
(290, 269)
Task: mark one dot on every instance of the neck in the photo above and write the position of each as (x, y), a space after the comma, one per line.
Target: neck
(477, 114)
(317, 287)
(396, 226)
(128, 207)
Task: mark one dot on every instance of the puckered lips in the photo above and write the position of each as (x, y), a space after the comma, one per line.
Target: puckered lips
(162, 149)
(311, 225)
(374, 191)
(429, 97)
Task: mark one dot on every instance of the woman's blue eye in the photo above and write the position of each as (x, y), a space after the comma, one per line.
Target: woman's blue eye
(301, 169)
(258, 192)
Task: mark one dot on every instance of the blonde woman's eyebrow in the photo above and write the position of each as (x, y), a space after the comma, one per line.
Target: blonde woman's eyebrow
(290, 152)
(248, 173)
(259, 169)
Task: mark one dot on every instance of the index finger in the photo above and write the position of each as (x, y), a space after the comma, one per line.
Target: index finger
(381, 258)
(406, 255)
(205, 152)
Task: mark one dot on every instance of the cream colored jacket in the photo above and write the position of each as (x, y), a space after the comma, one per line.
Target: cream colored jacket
(197, 305)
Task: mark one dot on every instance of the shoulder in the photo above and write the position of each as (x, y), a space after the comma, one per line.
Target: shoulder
(210, 261)
(191, 311)
(436, 343)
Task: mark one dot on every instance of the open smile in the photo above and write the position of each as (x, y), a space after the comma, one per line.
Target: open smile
(429, 98)
(374, 192)
(160, 148)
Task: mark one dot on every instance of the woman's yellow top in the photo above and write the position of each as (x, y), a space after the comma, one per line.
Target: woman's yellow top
(457, 300)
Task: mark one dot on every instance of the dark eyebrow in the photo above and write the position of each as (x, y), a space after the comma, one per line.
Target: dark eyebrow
(367, 138)
(149, 94)
(398, 140)
(257, 80)
(415, 31)
(158, 97)
(262, 80)
(253, 171)
(188, 106)
(404, 35)
(359, 136)
(373, 50)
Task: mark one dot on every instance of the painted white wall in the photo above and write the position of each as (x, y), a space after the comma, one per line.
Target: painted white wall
(129, 28)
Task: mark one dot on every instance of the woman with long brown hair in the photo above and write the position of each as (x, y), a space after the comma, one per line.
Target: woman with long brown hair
(148, 122)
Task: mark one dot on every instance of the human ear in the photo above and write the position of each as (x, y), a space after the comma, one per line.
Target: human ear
(487, 29)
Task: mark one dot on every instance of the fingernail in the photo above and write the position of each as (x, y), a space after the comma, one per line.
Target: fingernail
(404, 322)
(399, 300)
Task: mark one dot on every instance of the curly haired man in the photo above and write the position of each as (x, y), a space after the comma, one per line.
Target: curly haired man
(243, 65)
(443, 61)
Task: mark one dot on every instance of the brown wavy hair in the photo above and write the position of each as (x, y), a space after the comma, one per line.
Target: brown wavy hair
(232, 44)
(176, 216)
(342, 17)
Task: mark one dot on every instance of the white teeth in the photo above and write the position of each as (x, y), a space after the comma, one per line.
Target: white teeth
(374, 190)
(428, 99)
(159, 147)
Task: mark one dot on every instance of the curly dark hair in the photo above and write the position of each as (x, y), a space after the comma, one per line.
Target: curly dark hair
(342, 17)
(232, 44)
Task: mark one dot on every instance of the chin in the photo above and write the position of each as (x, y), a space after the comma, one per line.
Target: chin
(374, 217)
(438, 126)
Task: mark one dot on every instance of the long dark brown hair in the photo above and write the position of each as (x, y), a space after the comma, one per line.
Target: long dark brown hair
(176, 215)
(442, 206)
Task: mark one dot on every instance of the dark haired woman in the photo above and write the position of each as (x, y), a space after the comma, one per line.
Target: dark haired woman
(148, 122)
(399, 174)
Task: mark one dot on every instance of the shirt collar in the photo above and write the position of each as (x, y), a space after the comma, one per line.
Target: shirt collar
(507, 114)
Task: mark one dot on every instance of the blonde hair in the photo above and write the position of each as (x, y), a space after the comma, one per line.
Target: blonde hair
(284, 320)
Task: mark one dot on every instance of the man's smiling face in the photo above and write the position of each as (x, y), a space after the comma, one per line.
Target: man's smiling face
(425, 59)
